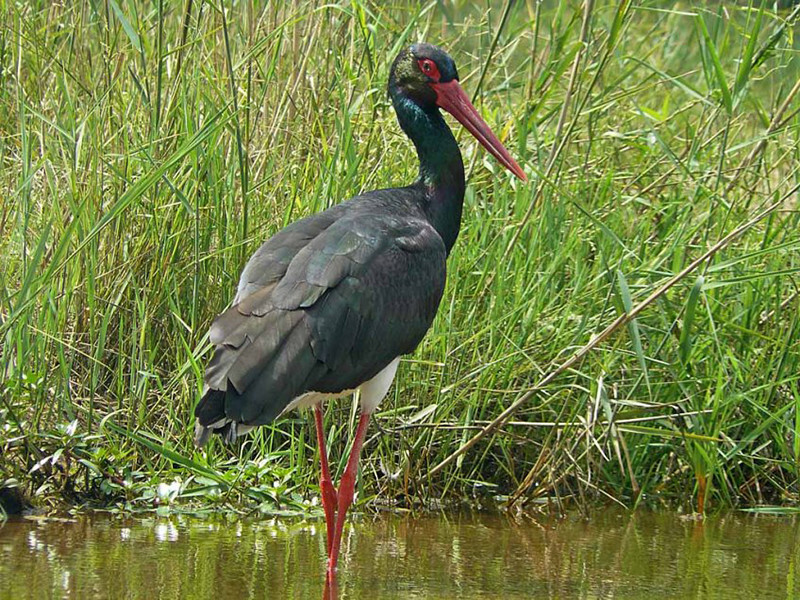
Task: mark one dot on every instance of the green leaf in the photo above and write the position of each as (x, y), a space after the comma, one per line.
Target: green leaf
(688, 318)
(666, 433)
(715, 62)
(155, 445)
(746, 63)
(752, 277)
(633, 326)
(126, 25)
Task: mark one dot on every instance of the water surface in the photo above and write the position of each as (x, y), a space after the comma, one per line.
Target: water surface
(612, 555)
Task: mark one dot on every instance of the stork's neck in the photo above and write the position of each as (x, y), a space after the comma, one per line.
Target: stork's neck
(441, 171)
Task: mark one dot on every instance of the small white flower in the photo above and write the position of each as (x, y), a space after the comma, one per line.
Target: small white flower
(167, 492)
(72, 428)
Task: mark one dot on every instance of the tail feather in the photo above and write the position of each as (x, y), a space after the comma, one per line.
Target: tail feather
(209, 416)
(263, 359)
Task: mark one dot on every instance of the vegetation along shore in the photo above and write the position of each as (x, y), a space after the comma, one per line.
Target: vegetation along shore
(621, 329)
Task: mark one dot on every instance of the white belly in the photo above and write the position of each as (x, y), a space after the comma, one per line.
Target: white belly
(372, 392)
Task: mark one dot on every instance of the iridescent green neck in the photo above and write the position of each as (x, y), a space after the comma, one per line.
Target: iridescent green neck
(441, 170)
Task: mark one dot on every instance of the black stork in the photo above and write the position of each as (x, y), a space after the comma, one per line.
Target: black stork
(329, 304)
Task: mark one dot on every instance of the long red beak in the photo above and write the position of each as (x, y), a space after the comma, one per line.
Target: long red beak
(451, 97)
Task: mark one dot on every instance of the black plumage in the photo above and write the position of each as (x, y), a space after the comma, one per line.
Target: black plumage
(323, 306)
(333, 299)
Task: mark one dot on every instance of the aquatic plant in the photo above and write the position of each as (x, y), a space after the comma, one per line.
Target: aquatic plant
(636, 305)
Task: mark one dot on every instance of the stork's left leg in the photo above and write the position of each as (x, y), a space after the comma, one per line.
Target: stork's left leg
(346, 491)
(329, 495)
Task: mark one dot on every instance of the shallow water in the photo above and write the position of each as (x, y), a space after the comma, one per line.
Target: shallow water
(612, 555)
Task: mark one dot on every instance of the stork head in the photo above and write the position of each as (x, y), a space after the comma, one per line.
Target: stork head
(426, 75)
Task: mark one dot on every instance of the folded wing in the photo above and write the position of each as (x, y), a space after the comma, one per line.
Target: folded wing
(322, 307)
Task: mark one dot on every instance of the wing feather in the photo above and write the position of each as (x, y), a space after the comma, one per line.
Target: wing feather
(358, 293)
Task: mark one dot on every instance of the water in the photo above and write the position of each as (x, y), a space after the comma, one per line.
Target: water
(612, 555)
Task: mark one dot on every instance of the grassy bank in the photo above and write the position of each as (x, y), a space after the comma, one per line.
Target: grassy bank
(636, 304)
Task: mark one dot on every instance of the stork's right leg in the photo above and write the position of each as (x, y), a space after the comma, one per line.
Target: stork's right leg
(346, 492)
(329, 494)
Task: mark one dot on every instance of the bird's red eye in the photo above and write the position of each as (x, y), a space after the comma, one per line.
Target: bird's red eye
(427, 66)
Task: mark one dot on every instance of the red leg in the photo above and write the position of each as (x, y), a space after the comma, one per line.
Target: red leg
(329, 495)
(331, 591)
(346, 490)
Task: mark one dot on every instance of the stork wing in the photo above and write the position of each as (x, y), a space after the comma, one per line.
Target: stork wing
(361, 292)
(268, 265)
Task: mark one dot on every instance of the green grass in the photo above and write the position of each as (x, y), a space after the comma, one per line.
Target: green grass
(148, 148)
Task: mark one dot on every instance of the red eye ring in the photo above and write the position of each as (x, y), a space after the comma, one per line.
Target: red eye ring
(429, 68)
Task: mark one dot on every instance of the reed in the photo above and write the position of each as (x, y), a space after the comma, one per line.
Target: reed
(624, 328)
